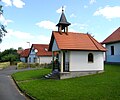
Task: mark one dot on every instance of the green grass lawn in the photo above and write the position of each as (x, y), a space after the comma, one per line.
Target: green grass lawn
(31, 74)
(104, 86)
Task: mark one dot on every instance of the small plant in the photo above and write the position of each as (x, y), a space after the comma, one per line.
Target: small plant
(4, 65)
(37, 64)
(22, 65)
(49, 66)
(33, 65)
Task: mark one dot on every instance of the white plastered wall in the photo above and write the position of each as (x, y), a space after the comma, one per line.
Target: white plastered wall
(79, 61)
(44, 59)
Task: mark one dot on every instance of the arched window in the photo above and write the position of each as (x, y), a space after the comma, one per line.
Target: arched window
(90, 57)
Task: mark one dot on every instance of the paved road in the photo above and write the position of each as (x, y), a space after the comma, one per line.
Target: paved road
(8, 89)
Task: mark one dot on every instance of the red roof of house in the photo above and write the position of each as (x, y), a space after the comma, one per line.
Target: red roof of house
(25, 53)
(19, 51)
(114, 37)
(42, 49)
(75, 41)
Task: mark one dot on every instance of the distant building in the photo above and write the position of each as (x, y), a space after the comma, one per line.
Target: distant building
(112, 44)
(24, 55)
(78, 54)
(39, 54)
(19, 51)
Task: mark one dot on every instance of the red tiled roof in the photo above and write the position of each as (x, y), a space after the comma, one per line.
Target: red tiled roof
(25, 53)
(75, 41)
(42, 49)
(114, 37)
(19, 51)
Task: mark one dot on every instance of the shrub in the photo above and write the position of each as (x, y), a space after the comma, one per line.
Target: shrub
(37, 64)
(4, 64)
(49, 66)
(22, 65)
(33, 65)
(13, 63)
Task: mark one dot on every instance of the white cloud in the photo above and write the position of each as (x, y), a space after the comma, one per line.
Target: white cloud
(15, 39)
(74, 24)
(80, 26)
(7, 21)
(11, 44)
(92, 1)
(7, 2)
(85, 6)
(47, 25)
(43, 39)
(71, 30)
(60, 9)
(108, 12)
(73, 16)
(18, 3)
(4, 21)
(83, 26)
(76, 27)
(18, 34)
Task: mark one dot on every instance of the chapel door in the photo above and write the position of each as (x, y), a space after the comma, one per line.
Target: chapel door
(65, 62)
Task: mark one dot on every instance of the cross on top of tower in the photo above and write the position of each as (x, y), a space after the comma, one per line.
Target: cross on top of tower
(62, 9)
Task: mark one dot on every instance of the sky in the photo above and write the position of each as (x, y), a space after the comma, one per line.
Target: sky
(32, 21)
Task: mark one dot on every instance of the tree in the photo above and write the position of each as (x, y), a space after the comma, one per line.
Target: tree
(2, 27)
(10, 55)
(20, 48)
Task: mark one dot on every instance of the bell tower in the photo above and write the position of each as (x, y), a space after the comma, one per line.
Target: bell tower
(63, 24)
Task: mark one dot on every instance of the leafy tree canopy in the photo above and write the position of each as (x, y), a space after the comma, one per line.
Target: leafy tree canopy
(20, 48)
(9, 55)
(2, 27)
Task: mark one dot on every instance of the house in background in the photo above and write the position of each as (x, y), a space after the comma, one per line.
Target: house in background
(78, 53)
(19, 51)
(112, 43)
(39, 54)
(24, 55)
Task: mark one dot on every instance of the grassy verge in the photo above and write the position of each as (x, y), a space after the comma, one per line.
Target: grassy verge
(4, 65)
(104, 86)
(30, 75)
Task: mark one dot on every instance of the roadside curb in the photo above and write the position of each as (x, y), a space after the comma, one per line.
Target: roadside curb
(26, 94)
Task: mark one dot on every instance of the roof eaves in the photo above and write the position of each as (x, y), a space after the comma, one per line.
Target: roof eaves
(98, 49)
(110, 41)
(51, 42)
(53, 37)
